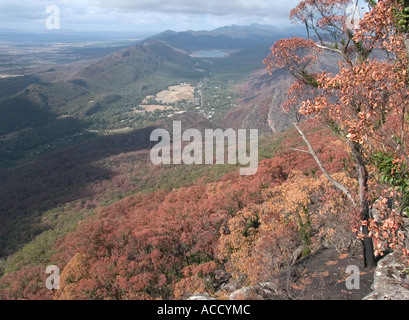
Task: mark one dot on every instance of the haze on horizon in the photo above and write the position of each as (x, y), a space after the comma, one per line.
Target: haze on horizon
(144, 15)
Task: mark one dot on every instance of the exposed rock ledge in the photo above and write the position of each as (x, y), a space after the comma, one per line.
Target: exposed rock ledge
(201, 296)
(391, 280)
(262, 291)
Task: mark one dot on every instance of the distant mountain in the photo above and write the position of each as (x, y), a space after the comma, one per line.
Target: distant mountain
(135, 64)
(108, 87)
(104, 92)
(111, 86)
(230, 37)
(55, 124)
(235, 31)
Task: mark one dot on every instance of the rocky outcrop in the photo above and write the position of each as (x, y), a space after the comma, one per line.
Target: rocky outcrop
(201, 296)
(262, 291)
(221, 281)
(391, 280)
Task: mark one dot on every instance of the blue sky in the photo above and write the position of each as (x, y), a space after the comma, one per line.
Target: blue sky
(144, 15)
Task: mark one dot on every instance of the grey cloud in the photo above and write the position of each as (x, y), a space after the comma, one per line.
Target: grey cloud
(213, 7)
(148, 14)
(26, 10)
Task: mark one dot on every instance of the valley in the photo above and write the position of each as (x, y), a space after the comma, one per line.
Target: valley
(58, 121)
(125, 90)
(204, 162)
(75, 155)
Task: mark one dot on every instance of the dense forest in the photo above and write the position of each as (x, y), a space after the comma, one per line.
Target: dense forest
(120, 228)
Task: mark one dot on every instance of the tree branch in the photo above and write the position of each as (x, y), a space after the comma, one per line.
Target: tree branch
(324, 171)
(305, 151)
(321, 46)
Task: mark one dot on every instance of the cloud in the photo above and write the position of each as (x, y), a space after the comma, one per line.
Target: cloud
(213, 7)
(155, 15)
(20, 10)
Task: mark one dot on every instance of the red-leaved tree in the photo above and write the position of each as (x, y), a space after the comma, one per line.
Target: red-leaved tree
(365, 103)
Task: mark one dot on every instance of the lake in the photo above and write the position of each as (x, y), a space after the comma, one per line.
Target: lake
(209, 54)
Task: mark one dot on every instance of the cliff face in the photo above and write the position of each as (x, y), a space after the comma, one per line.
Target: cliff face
(391, 281)
(391, 278)
(262, 106)
(265, 94)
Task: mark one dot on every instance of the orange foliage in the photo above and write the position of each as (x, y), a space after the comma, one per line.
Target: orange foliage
(168, 244)
(262, 238)
(366, 102)
(165, 245)
(158, 245)
(28, 283)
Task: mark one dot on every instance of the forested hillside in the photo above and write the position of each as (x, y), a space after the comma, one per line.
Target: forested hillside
(168, 244)
(331, 190)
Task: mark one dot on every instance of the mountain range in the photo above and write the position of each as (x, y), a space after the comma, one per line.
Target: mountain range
(230, 37)
(79, 106)
(78, 189)
(120, 81)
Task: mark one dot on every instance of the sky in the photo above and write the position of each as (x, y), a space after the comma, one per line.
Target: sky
(140, 15)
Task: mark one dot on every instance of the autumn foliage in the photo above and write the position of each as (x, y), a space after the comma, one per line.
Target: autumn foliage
(294, 218)
(170, 244)
(365, 103)
(164, 245)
